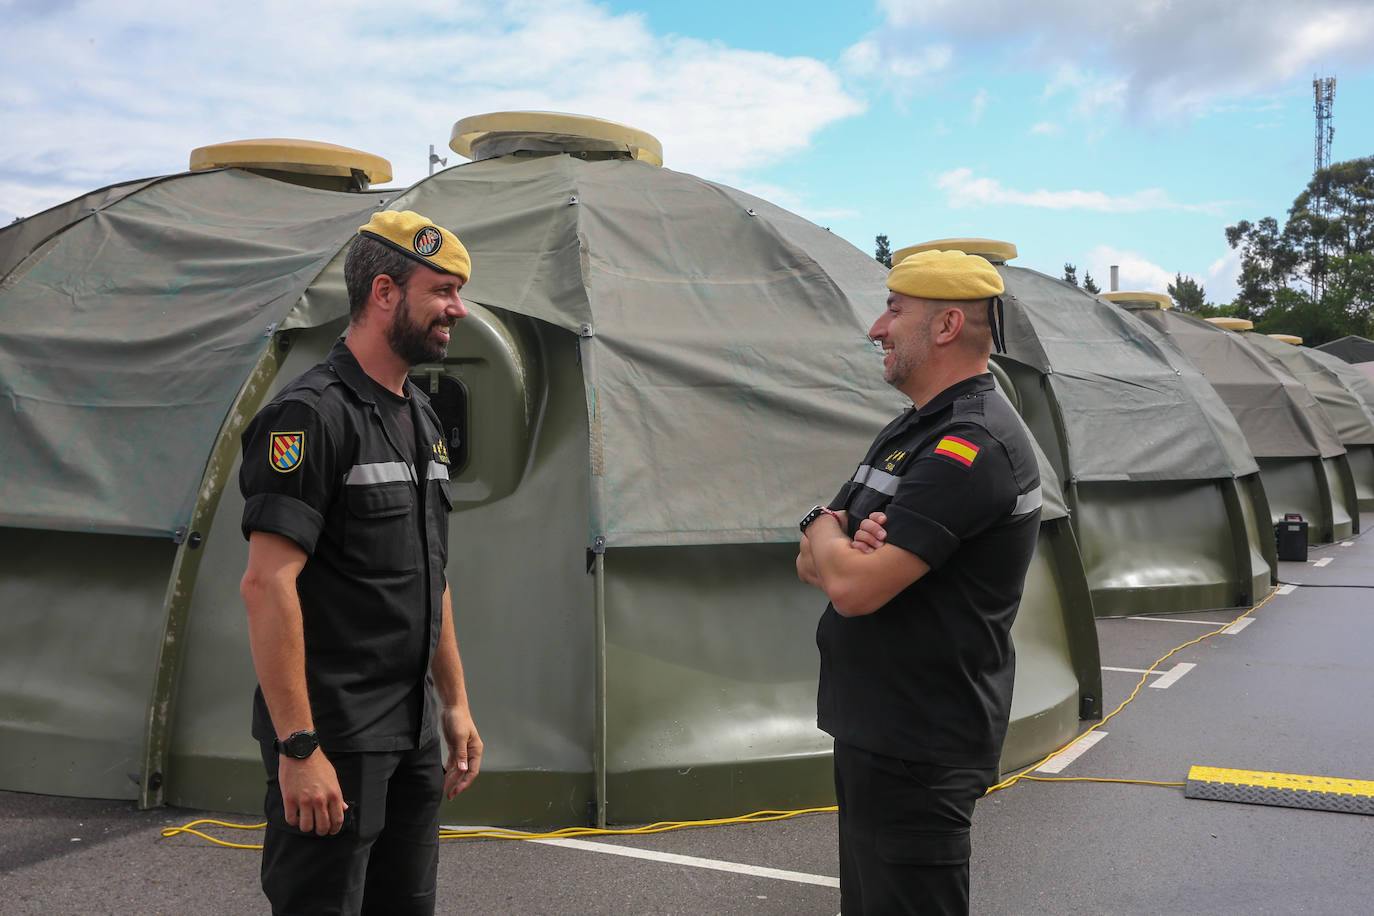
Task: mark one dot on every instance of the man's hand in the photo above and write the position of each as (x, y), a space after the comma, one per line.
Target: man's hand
(871, 534)
(310, 794)
(464, 749)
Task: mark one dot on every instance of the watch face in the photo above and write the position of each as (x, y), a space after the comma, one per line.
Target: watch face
(300, 745)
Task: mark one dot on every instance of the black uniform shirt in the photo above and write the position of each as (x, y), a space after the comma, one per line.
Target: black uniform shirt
(928, 676)
(322, 468)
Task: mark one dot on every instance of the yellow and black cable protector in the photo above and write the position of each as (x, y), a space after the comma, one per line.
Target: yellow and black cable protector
(757, 816)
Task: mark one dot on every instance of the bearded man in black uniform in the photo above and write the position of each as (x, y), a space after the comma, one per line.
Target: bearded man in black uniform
(923, 555)
(345, 481)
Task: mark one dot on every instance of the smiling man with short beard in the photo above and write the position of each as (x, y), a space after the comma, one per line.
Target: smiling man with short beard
(350, 618)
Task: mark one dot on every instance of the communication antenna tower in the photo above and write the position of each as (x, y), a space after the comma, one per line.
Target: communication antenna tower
(1323, 94)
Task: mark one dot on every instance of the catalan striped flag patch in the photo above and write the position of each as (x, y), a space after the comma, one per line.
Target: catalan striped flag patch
(961, 450)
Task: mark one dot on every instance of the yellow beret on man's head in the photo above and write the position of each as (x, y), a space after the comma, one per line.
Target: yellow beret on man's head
(945, 275)
(415, 236)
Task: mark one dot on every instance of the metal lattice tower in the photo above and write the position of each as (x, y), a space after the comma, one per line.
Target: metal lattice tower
(1323, 94)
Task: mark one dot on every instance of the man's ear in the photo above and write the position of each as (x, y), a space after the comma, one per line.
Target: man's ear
(385, 292)
(951, 323)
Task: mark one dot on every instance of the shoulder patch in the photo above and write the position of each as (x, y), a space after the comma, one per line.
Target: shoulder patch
(285, 451)
(960, 450)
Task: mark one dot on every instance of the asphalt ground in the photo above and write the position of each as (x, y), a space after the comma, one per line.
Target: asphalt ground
(1288, 692)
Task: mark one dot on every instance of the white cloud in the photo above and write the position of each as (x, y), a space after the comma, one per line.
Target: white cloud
(1135, 271)
(1044, 128)
(143, 82)
(1221, 277)
(1155, 57)
(897, 66)
(963, 189)
(1090, 91)
(978, 105)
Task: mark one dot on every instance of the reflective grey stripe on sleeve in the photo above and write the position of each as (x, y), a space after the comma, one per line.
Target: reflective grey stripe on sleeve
(875, 479)
(1028, 502)
(379, 472)
(436, 471)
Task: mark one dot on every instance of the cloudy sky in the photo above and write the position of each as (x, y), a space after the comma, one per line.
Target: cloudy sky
(1081, 133)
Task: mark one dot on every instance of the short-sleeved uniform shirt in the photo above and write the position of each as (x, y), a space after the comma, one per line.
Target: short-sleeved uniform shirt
(928, 676)
(327, 465)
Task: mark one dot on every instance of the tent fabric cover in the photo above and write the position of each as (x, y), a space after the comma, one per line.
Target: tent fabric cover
(1350, 348)
(1328, 379)
(1279, 416)
(125, 337)
(697, 406)
(19, 239)
(1134, 408)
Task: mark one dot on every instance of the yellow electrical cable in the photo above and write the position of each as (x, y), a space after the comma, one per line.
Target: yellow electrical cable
(173, 831)
(502, 833)
(1107, 718)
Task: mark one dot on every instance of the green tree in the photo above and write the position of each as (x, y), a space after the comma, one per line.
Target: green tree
(1188, 294)
(1089, 285)
(1070, 274)
(1313, 272)
(882, 251)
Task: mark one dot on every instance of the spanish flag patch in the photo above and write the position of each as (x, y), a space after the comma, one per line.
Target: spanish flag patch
(961, 450)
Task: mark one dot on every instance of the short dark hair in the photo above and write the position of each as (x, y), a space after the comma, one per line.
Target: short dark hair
(367, 259)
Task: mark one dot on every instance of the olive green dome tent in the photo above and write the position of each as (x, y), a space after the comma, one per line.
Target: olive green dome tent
(1302, 462)
(1352, 349)
(658, 375)
(1164, 495)
(1340, 389)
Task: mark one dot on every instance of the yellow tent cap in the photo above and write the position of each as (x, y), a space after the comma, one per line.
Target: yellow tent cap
(995, 251)
(1233, 324)
(549, 130)
(1155, 300)
(306, 157)
(1288, 338)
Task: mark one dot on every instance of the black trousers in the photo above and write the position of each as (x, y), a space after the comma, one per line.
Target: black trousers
(904, 833)
(385, 860)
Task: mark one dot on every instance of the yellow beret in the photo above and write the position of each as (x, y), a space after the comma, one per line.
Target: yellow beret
(945, 275)
(411, 234)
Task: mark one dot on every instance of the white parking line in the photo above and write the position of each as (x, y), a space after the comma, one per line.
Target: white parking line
(1287, 589)
(1347, 543)
(1323, 561)
(1166, 678)
(1171, 676)
(1071, 753)
(673, 858)
(1229, 631)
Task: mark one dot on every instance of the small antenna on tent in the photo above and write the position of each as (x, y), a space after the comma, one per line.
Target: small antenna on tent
(433, 158)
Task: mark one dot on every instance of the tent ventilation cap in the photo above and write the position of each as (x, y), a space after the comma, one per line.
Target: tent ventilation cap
(305, 162)
(535, 133)
(1288, 338)
(995, 251)
(1139, 300)
(1233, 324)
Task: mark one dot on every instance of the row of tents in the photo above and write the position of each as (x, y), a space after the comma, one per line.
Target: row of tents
(659, 373)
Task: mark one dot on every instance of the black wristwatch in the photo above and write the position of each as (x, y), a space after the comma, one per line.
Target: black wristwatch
(815, 513)
(299, 745)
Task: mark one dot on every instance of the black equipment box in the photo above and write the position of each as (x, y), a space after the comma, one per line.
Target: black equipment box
(1291, 534)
